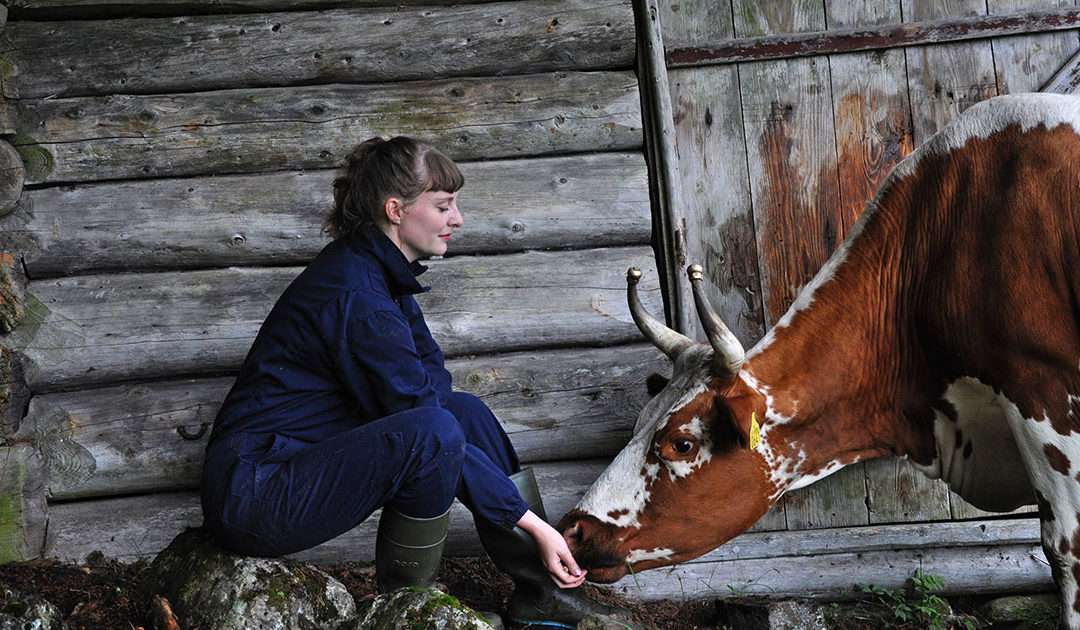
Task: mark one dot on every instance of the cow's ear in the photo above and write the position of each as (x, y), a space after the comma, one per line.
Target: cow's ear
(655, 383)
(747, 426)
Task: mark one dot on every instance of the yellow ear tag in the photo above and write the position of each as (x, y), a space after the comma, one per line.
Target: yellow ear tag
(755, 431)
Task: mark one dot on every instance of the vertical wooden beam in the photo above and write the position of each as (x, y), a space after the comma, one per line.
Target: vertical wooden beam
(22, 503)
(664, 182)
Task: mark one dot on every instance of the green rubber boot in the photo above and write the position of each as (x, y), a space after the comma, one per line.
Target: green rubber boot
(536, 602)
(408, 549)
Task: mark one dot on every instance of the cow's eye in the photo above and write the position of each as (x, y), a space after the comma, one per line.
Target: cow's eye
(682, 445)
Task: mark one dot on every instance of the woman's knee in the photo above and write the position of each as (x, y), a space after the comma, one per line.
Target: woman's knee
(432, 426)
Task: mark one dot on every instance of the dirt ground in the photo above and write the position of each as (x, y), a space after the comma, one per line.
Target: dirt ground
(108, 596)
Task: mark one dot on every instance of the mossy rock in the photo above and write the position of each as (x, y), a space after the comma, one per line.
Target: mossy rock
(28, 612)
(211, 587)
(419, 609)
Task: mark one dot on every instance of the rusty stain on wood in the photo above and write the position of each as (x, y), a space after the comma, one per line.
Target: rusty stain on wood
(862, 39)
(11, 309)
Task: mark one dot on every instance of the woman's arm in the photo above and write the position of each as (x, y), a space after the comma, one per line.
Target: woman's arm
(554, 552)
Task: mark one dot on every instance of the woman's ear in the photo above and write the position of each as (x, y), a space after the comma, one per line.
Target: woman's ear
(394, 210)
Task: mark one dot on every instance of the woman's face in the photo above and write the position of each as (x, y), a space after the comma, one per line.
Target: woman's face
(426, 225)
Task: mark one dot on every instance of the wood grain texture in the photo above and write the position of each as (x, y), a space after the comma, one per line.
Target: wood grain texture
(138, 527)
(22, 503)
(97, 9)
(215, 52)
(129, 439)
(272, 129)
(578, 201)
(1026, 63)
(93, 330)
(828, 563)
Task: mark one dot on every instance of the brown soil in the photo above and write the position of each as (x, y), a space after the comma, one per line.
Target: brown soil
(108, 595)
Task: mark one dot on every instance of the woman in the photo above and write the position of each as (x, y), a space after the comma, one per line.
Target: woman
(343, 406)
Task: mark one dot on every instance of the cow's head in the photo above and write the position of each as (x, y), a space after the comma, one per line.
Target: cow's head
(693, 475)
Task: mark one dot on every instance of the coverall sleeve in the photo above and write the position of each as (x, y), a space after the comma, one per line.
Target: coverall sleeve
(381, 346)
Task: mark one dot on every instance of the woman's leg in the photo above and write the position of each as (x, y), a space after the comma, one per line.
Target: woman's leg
(490, 459)
(411, 460)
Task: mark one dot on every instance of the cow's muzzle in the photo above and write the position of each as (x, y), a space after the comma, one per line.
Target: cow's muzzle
(594, 547)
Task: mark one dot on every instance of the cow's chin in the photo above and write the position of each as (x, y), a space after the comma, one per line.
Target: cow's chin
(606, 575)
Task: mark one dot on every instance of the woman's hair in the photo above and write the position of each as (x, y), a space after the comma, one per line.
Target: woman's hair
(376, 170)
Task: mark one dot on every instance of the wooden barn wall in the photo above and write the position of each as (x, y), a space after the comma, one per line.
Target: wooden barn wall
(779, 148)
(177, 158)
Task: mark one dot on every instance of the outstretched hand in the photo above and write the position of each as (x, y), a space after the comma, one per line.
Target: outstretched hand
(554, 552)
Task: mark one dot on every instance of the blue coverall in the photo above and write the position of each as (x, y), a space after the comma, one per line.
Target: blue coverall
(343, 405)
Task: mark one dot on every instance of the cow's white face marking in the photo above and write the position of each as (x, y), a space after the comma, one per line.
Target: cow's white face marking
(640, 555)
(976, 450)
(622, 491)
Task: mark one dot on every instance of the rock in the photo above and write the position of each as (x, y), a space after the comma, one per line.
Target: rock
(211, 587)
(1029, 608)
(788, 614)
(28, 612)
(419, 608)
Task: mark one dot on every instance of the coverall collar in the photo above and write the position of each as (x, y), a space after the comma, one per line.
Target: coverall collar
(400, 273)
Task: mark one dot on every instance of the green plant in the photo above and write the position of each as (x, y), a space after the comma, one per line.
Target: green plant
(916, 603)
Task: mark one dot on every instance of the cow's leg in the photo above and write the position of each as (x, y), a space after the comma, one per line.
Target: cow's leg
(1053, 465)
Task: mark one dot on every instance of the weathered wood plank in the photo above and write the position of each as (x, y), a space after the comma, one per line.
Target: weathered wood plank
(555, 405)
(137, 527)
(1067, 78)
(91, 330)
(276, 219)
(793, 183)
(661, 147)
(22, 503)
(719, 224)
(921, 30)
(273, 129)
(946, 79)
(14, 392)
(97, 9)
(1002, 569)
(197, 53)
(787, 116)
(1026, 63)
(819, 563)
(897, 493)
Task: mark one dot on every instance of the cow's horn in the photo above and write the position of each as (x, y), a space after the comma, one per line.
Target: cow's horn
(728, 354)
(669, 341)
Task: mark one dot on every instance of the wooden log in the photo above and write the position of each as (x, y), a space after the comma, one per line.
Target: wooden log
(14, 391)
(137, 527)
(1002, 569)
(828, 562)
(92, 330)
(22, 503)
(561, 404)
(273, 129)
(921, 31)
(12, 175)
(276, 219)
(98, 9)
(362, 45)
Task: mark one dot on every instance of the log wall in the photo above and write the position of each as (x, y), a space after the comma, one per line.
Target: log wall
(178, 159)
(169, 162)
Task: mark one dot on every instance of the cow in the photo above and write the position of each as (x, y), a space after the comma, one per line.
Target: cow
(945, 329)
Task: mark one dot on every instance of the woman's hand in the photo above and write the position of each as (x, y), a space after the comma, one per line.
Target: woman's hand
(553, 551)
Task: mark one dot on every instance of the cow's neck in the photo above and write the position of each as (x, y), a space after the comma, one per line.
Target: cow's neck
(829, 370)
